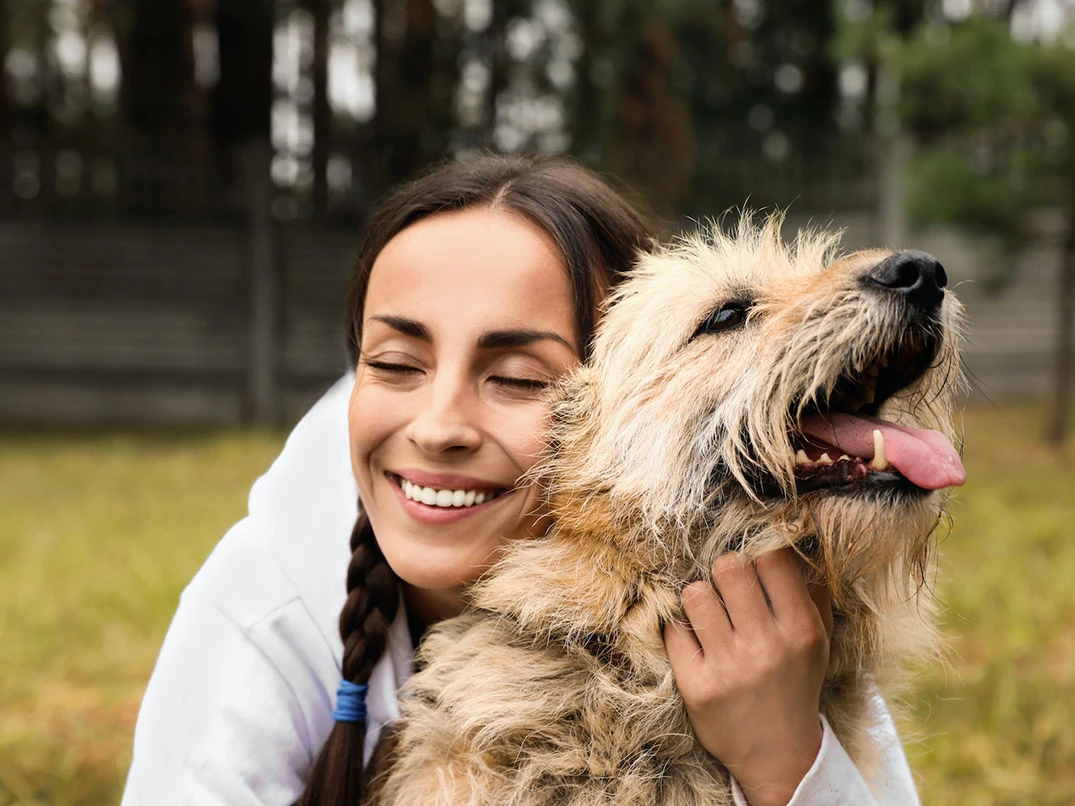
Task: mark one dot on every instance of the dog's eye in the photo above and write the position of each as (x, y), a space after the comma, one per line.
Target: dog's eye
(723, 318)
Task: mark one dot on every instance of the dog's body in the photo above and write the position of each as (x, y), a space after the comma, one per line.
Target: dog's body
(718, 361)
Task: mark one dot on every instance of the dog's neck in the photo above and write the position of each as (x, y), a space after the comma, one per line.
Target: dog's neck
(589, 579)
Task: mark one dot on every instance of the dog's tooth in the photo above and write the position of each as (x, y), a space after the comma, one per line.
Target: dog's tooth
(844, 457)
(801, 458)
(879, 461)
(824, 460)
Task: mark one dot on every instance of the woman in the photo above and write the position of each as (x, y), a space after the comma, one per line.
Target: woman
(476, 288)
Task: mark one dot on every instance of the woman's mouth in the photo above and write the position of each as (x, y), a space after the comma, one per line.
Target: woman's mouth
(447, 497)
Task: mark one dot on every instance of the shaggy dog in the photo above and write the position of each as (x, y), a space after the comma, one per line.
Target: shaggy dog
(744, 395)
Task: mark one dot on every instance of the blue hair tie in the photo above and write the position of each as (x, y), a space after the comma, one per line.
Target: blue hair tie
(350, 702)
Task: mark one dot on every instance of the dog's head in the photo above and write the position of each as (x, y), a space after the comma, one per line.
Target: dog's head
(739, 382)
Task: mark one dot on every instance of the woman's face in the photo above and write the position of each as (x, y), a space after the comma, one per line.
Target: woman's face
(468, 318)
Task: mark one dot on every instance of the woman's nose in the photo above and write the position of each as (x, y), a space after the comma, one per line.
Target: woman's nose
(446, 419)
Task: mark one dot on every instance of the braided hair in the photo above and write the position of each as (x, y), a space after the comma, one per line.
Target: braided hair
(598, 232)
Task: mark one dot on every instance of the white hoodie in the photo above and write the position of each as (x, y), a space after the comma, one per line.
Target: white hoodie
(241, 698)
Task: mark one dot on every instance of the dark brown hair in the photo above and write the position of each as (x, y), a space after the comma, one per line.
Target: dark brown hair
(598, 234)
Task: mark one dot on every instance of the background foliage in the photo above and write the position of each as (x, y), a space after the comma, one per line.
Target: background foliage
(155, 111)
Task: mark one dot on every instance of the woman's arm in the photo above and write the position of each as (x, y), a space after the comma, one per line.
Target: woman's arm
(834, 780)
(219, 723)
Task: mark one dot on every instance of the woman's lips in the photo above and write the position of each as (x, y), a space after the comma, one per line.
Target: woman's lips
(447, 499)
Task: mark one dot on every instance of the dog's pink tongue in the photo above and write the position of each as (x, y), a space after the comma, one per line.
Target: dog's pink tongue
(926, 458)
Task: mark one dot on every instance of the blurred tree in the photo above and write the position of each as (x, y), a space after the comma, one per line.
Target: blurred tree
(415, 80)
(321, 12)
(242, 97)
(996, 148)
(791, 69)
(159, 97)
(653, 146)
(499, 60)
(868, 38)
(675, 94)
(5, 93)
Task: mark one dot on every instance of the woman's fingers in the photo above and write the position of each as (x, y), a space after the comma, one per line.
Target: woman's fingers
(742, 592)
(709, 624)
(795, 605)
(746, 601)
(822, 597)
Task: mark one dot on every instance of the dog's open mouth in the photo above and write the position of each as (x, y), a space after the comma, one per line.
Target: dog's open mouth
(847, 446)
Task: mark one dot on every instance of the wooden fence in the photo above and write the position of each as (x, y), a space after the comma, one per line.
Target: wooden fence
(231, 315)
(136, 323)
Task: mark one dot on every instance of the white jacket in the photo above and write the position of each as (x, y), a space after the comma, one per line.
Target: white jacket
(241, 698)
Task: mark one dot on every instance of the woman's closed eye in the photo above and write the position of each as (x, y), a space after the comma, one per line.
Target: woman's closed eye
(391, 367)
(525, 384)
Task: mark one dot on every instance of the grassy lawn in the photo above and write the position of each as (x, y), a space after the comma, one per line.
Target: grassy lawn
(98, 535)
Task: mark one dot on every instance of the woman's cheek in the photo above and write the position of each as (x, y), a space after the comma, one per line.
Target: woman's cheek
(530, 434)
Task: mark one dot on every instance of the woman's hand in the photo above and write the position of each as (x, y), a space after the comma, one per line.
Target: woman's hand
(750, 667)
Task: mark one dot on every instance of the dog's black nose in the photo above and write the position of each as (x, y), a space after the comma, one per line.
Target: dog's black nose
(918, 275)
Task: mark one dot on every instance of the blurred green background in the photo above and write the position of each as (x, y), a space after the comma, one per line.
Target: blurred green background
(183, 184)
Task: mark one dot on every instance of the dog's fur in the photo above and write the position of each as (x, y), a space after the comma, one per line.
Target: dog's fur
(668, 449)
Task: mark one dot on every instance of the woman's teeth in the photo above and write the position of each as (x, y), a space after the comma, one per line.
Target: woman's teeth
(444, 498)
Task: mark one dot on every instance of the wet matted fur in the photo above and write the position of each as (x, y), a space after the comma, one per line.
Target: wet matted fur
(717, 361)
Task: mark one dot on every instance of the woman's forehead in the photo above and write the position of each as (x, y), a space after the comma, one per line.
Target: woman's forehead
(473, 270)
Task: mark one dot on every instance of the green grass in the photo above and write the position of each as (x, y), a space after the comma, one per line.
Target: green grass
(998, 726)
(98, 535)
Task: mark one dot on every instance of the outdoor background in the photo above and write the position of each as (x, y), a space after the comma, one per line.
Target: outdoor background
(183, 184)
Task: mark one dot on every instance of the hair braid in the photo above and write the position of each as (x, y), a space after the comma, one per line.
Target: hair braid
(338, 776)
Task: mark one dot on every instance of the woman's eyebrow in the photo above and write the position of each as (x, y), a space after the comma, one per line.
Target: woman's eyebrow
(500, 339)
(490, 340)
(408, 327)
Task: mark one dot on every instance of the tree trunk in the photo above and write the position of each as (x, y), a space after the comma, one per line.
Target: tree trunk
(1065, 341)
(5, 96)
(158, 93)
(497, 48)
(416, 77)
(589, 116)
(322, 112)
(263, 287)
(242, 103)
(242, 100)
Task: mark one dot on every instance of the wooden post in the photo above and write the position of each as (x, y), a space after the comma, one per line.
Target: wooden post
(263, 393)
(893, 163)
(1065, 337)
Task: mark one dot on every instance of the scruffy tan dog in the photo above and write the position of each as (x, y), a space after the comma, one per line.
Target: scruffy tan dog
(744, 395)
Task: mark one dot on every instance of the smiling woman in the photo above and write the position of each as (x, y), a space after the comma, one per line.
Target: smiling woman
(448, 409)
(476, 288)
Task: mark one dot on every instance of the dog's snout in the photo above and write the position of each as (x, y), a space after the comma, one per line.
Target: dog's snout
(918, 275)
